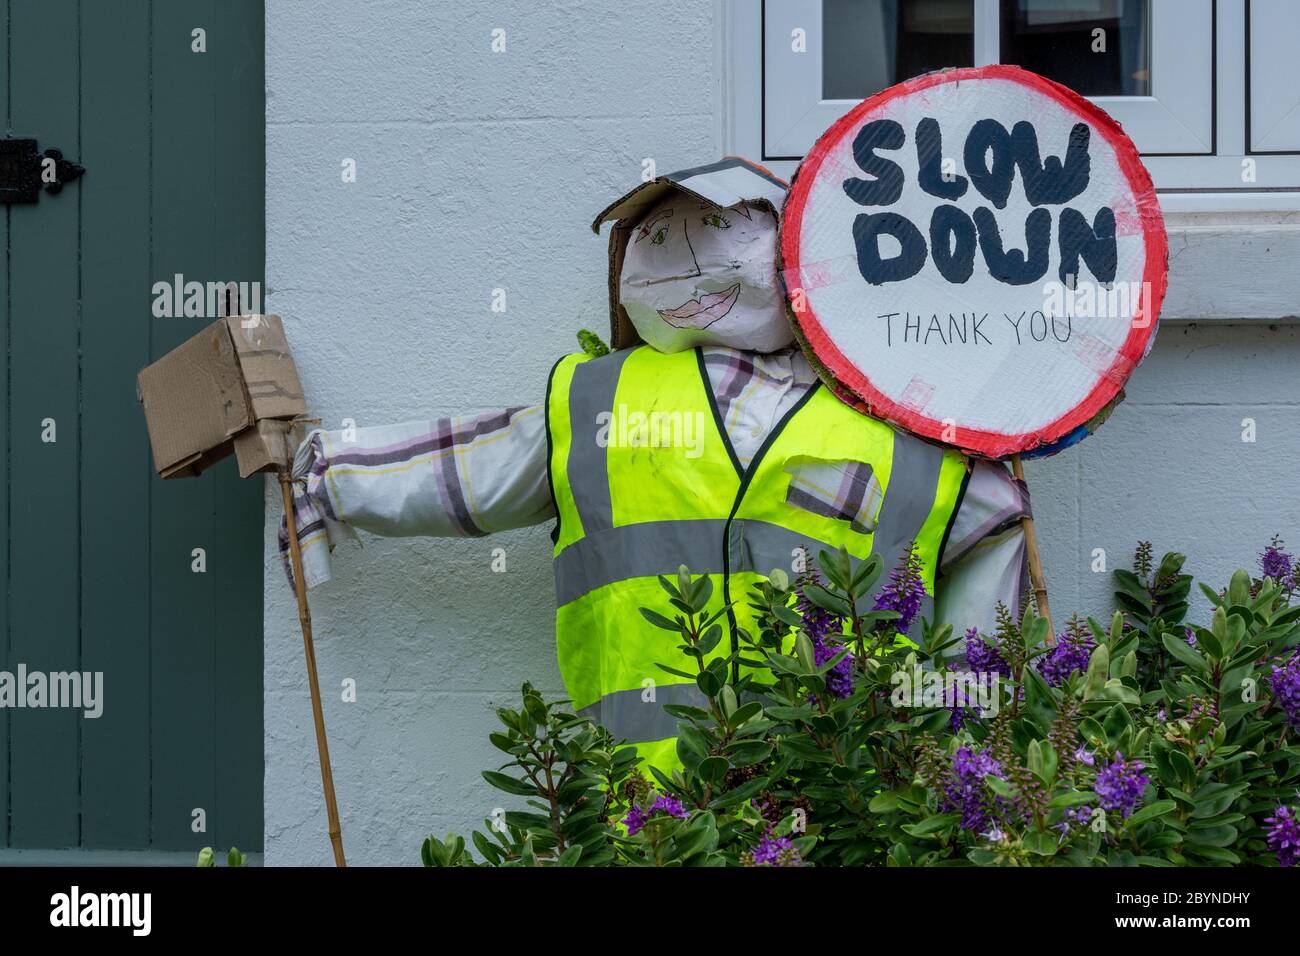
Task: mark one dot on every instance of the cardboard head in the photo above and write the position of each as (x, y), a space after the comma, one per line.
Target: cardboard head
(693, 261)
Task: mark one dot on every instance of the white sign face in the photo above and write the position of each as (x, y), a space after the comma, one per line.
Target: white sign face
(977, 256)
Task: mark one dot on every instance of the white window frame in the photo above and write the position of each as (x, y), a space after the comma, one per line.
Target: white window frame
(1208, 171)
(1273, 31)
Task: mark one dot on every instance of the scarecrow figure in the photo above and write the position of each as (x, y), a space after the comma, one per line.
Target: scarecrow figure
(705, 438)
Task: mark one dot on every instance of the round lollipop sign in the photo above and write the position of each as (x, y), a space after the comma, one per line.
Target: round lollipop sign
(978, 256)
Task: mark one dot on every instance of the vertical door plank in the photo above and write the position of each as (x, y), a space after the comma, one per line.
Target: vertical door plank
(236, 43)
(5, 658)
(183, 602)
(43, 489)
(115, 465)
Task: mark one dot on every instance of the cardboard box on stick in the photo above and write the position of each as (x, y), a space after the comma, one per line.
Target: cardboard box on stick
(232, 387)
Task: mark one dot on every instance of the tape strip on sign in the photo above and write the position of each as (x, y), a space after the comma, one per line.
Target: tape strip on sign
(976, 255)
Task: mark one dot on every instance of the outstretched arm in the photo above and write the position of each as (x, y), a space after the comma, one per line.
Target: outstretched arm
(454, 477)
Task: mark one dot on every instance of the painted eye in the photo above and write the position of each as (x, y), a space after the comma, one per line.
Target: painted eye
(659, 236)
(716, 221)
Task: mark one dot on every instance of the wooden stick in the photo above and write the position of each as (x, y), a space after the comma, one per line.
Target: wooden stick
(1035, 560)
(304, 619)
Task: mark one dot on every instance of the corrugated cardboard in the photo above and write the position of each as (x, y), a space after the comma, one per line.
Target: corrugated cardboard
(266, 446)
(210, 395)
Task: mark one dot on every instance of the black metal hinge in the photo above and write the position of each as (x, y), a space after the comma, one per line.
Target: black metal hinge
(23, 171)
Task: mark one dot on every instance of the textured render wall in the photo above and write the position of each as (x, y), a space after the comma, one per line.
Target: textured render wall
(385, 285)
(1171, 466)
(475, 171)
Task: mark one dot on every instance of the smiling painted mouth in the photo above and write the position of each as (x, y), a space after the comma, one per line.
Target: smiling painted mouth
(702, 312)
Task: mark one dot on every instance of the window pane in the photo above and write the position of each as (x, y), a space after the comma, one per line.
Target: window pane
(1095, 47)
(872, 44)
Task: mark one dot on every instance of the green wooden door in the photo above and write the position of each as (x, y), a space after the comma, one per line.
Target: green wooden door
(100, 567)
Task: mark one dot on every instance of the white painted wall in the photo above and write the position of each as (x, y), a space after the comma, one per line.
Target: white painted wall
(479, 170)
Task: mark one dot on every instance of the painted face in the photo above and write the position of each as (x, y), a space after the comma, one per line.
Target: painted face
(695, 274)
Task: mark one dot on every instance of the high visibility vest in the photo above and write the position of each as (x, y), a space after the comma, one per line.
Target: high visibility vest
(645, 479)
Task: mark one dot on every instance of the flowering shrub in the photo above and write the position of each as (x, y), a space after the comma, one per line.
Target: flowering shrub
(840, 736)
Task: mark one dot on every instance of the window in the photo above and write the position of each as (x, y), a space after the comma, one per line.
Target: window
(1205, 88)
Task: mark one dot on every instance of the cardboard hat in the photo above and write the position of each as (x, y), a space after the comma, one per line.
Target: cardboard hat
(725, 183)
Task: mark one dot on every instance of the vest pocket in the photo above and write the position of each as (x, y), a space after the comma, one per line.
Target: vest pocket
(835, 488)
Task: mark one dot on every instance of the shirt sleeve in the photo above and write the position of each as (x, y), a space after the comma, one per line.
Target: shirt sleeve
(452, 477)
(984, 561)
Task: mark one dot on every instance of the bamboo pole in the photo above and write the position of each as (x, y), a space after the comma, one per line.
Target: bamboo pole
(304, 619)
(1036, 578)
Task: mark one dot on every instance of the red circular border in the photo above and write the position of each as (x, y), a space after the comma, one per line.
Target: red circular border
(1155, 275)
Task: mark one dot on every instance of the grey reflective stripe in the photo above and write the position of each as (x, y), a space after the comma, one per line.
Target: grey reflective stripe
(658, 547)
(637, 550)
(760, 546)
(909, 499)
(591, 392)
(628, 717)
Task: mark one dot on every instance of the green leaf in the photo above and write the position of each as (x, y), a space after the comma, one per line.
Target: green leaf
(746, 753)
(570, 856)
(1239, 588)
(1150, 812)
(1217, 855)
(713, 769)
(803, 648)
(658, 620)
(709, 683)
(1098, 672)
(745, 713)
(1217, 836)
(591, 343)
(1040, 842)
(206, 857)
(510, 784)
(999, 786)
(884, 802)
(1071, 798)
(1180, 649)
(931, 825)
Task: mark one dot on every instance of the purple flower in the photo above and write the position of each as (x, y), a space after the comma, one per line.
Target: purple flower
(839, 679)
(1275, 563)
(817, 621)
(1284, 836)
(1079, 816)
(1285, 684)
(1119, 786)
(982, 657)
(819, 624)
(1085, 756)
(965, 788)
(635, 820)
(904, 593)
(774, 851)
(1070, 653)
(638, 816)
(1190, 636)
(995, 834)
(669, 805)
